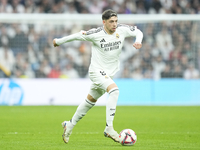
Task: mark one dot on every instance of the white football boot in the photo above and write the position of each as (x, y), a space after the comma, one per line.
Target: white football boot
(67, 132)
(111, 133)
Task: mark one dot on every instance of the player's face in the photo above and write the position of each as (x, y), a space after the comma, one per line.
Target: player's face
(110, 25)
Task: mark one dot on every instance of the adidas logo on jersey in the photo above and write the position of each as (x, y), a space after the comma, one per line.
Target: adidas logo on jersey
(103, 40)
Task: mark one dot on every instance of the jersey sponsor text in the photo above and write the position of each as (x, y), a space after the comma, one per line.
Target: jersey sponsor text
(111, 45)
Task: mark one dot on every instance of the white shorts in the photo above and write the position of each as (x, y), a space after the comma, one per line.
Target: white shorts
(100, 83)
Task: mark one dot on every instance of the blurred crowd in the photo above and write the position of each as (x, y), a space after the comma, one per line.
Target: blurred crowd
(98, 6)
(170, 49)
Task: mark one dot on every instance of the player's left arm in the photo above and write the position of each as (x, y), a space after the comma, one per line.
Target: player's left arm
(134, 32)
(139, 37)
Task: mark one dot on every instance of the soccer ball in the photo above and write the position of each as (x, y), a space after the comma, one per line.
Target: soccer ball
(127, 137)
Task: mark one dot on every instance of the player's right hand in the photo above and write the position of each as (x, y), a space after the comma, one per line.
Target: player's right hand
(54, 43)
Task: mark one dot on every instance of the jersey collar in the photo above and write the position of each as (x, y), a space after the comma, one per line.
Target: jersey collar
(106, 32)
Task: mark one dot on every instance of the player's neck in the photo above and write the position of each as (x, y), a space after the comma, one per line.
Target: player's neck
(107, 31)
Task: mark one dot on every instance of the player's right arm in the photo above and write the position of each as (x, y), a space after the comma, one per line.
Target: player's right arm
(81, 36)
(54, 43)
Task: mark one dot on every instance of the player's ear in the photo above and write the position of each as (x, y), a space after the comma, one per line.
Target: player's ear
(104, 21)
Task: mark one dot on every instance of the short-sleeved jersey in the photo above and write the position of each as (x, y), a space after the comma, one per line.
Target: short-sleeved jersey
(106, 48)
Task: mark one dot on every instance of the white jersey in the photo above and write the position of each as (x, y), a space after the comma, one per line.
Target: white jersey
(106, 48)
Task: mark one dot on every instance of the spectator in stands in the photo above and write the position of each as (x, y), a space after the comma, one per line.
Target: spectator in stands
(140, 8)
(175, 8)
(164, 41)
(198, 58)
(7, 61)
(31, 55)
(134, 61)
(184, 62)
(29, 6)
(71, 9)
(17, 7)
(69, 72)
(20, 59)
(137, 74)
(156, 7)
(125, 72)
(18, 73)
(4, 39)
(81, 7)
(146, 58)
(5, 7)
(45, 6)
(40, 72)
(27, 71)
(149, 34)
(127, 54)
(166, 73)
(188, 9)
(187, 50)
(95, 7)
(166, 4)
(175, 56)
(55, 71)
(44, 69)
(62, 6)
(191, 72)
(180, 41)
(198, 11)
(177, 72)
(131, 6)
(195, 5)
(148, 73)
(158, 67)
(155, 51)
(20, 41)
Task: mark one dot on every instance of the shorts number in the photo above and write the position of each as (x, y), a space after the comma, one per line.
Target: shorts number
(103, 73)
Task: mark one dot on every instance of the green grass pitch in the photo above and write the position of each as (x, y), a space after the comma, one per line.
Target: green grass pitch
(157, 128)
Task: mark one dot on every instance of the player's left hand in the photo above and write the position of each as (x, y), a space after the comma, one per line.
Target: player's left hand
(137, 45)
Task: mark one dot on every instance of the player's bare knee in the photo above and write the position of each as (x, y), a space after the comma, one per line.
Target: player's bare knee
(110, 87)
(90, 98)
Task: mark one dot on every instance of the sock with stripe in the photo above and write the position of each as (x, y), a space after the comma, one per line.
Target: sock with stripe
(81, 111)
(111, 106)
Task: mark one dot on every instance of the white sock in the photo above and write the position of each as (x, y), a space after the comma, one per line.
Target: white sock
(81, 111)
(111, 106)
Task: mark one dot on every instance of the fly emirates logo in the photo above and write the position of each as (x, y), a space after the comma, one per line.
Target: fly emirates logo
(110, 46)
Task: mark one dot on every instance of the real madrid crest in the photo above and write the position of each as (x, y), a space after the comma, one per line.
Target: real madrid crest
(117, 35)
